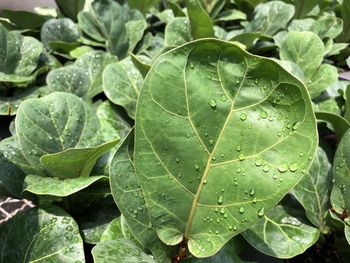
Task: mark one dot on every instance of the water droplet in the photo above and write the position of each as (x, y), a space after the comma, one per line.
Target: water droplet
(283, 168)
(252, 192)
(220, 200)
(241, 210)
(256, 81)
(191, 65)
(222, 211)
(177, 160)
(237, 81)
(187, 135)
(211, 142)
(296, 125)
(243, 116)
(261, 212)
(266, 168)
(196, 167)
(263, 114)
(223, 98)
(241, 157)
(259, 162)
(239, 148)
(293, 167)
(212, 103)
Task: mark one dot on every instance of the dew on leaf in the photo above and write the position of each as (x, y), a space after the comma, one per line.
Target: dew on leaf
(212, 103)
(220, 200)
(243, 116)
(283, 168)
(261, 212)
(263, 114)
(241, 210)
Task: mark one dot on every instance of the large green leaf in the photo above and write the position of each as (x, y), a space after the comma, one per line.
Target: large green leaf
(71, 8)
(129, 197)
(340, 196)
(24, 19)
(201, 23)
(122, 83)
(62, 30)
(234, 121)
(53, 186)
(120, 250)
(41, 235)
(314, 189)
(270, 17)
(53, 124)
(283, 233)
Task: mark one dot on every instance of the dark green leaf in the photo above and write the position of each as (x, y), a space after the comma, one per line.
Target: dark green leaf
(141, 63)
(339, 124)
(143, 5)
(41, 235)
(24, 19)
(71, 8)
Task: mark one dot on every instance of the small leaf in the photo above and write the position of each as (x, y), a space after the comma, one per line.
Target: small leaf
(270, 17)
(340, 196)
(45, 234)
(73, 163)
(141, 64)
(327, 26)
(40, 185)
(314, 189)
(63, 30)
(144, 5)
(113, 231)
(119, 250)
(71, 8)
(201, 23)
(177, 32)
(282, 233)
(339, 124)
(122, 83)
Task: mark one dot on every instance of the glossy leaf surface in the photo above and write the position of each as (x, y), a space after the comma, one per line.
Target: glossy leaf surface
(282, 233)
(225, 141)
(41, 235)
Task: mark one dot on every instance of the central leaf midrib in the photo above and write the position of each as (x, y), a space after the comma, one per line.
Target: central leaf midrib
(208, 165)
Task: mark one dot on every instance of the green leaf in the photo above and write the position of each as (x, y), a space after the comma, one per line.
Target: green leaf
(129, 197)
(175, 7)
(94, 63)
(122, 83)
(141, 63)
(324, 77)
(314, 189)
(71, 8)
(53, 124)
(340, 197)
(9, 104)
(270, 17)
(96, 218)
(41, 235)
(77, 162)
(70, 79)
(113, 230)
(120, 250)
(19, 56)
(303, 7)
(339, 124)
(327, 26)
(201, 23)
(144, 5)
(119, 27)
(41, 185)
(301, 24)
(63, 30)
(24, 19)
(306, 49)
(231, 15)
(283, 233)
(344, 14)
(177, 32)
(218, 132)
